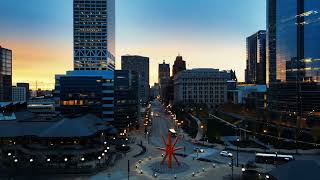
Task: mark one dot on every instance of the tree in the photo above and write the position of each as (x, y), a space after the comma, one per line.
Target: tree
(316, 133)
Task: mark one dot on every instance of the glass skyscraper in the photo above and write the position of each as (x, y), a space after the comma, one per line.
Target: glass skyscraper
(90, 87)
(293, 56)
(94, 34)
(140, 65)
(256, 58)
(5, 74)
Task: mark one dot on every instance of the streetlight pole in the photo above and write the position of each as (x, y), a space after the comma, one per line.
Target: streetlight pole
(238, 152)
(232, 168)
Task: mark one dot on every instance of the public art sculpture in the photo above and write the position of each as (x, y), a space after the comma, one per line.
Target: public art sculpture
(170, 150)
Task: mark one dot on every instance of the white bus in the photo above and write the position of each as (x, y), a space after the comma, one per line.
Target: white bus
(272, 158)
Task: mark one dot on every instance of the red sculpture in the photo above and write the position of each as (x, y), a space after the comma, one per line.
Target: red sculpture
(170, 150)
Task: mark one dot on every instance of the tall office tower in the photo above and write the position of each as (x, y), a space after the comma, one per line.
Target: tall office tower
(255, 72)
(5, 75)
(164, 81)
(25, 85)
(126, 106)
(94, 34)
(179, 65)
(293, 58)
(140, 65)
(164, 70)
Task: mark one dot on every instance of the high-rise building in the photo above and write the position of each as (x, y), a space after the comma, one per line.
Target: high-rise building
(94, 34)
(165, 82)
(126, 106)
(140, 65)
(19, 94)
(201, 86)
(83, 92)
(179, 65)
(255, 72)
(5, 75)
(90, 87)
(293, 57)
(164, 71)
(25, 85)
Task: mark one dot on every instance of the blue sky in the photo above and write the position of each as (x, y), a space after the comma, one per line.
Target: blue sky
(208, 33)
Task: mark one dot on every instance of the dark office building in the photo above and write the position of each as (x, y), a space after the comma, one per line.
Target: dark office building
(179, 65)
(126, 95)
(5, 75)
(255, 72)
(26, 86)
(164, 71)
(86, 92)
(140, 65)
(165, 82)
(294, 57)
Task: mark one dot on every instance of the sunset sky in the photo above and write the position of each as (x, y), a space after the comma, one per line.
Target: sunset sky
(207, 33)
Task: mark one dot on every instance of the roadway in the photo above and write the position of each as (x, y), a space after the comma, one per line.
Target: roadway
(162, 121)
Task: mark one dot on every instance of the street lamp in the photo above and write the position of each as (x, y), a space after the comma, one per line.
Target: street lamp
(243, 170)
(65, 159)
(15, 160)
(82, 159)
(9, 154)
(238, 140)
(267, 176)
(31, 160)
(99, 158)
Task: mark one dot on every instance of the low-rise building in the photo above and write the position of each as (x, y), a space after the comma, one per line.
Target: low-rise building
(19, 94)
(83, 92)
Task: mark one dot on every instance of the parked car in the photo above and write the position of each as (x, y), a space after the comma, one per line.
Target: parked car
(225, 154)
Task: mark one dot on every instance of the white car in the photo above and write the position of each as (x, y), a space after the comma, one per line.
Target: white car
(198, 150)
(225, 154)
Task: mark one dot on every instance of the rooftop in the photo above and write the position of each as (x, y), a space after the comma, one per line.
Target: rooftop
(83, 126)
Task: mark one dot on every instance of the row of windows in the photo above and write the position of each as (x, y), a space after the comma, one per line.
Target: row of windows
(222, 83)
(91, 34)
(81, 2)
(203, 92)
(203, 88)
(203, 101)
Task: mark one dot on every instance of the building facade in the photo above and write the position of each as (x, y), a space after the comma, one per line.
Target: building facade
(5, 75)
(164, 71)
(84, 92)
(201, 86)
(19, 94)
(178, 66)
(140, 65)
(293, 57)
(126, 107)
(255, 72)
(164, 80)
(94, 34)
(27, 87)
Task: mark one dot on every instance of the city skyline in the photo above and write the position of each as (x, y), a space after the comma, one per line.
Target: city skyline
(147, 28)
